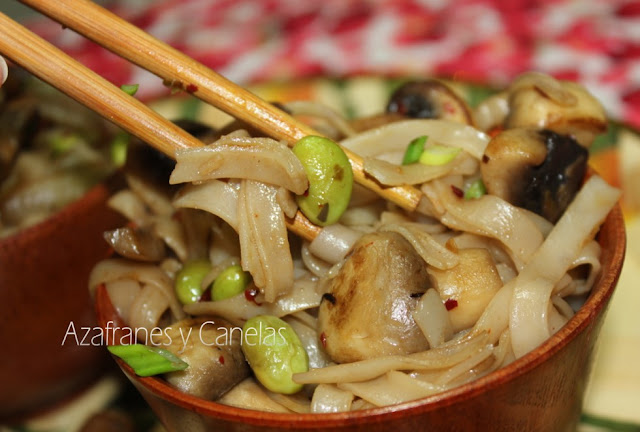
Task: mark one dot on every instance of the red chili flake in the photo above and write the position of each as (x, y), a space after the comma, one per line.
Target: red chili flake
(451, 304)
(206, 296)
(192, 88)
(221, 359)
(457, 191)
(323, 340)
(449, 107)
(250, 294)
(485, 159)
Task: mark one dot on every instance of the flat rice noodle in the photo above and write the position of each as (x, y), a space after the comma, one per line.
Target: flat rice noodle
(122, 293)
(363, 370)
(116, 268)
(250, 395)
(264, 242)
(493, 217)
(156, 199)
(259, 159)
(432, 317)
(130, 206)
(432, 252)
(145, 312)
(529, 321)
(396, 136)
(317, 109)
(465, 366)
(304, 295)
(334, 242)
(328, 398)
(310, 341)
(391, 174)
(214, 196)
(171, 232)
(554, 257)
(391, 389)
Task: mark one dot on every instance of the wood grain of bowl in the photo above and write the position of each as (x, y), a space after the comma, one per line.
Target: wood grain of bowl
(43, 288)
(541, 391)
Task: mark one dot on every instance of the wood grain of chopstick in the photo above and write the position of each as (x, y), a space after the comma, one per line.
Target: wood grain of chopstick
(137, 46)
(50, 64)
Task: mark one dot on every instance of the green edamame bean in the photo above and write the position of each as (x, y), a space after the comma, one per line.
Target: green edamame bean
(229, 283)
(188, 283)
(274, 353)
(330, 179)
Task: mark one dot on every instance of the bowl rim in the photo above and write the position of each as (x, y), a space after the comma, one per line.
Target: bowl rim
(615, 237)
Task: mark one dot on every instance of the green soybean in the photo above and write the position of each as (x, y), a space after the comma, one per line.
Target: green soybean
(229, 283)
(330, 179)
(188, 283)
(274, 353)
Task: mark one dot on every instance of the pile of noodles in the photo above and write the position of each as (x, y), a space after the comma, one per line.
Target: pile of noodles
(231, 212)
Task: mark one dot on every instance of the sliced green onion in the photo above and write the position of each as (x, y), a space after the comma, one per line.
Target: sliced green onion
(118, 149)
(414, 150)
(148, 360)
(475, 190)
(130, 89)
(438, 155)
(61, 143)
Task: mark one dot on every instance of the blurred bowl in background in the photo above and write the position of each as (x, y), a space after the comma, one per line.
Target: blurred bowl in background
(43, 290)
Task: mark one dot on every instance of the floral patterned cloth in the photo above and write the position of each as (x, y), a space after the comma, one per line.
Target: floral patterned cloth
(596, 42)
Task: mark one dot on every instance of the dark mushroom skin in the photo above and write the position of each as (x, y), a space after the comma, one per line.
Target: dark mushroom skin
(429, 99)
(539, 170)
(212, 348)
(367, 311)
(138, 243)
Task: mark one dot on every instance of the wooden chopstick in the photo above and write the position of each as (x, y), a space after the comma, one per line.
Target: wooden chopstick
(52, 65)
(137, 46)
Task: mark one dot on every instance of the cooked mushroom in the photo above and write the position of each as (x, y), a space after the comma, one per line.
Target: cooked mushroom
(136, 243)
(468, 287)
(538, 170)
(429, 99)
(211, 347)
(540, 101)
(367, 311)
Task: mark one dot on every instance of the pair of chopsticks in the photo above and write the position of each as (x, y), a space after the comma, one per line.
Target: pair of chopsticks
(50, 64)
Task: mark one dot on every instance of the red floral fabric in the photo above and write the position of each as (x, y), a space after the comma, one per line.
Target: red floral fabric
(596, 42)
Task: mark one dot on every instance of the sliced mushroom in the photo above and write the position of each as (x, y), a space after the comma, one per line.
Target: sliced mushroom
(211, 347)
(140, 244)
(537, 170)
(537, 100)
(468, 287)
(429, 99)
(368, 309)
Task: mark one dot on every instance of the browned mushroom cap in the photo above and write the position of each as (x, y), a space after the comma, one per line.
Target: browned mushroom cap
(140, 243)
(212, 348)
(367, 311)
(540, 101)
(539, 170)
(429, 99)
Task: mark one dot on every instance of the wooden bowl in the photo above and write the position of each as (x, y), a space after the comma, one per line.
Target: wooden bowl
(542, 391)
(43, 288)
